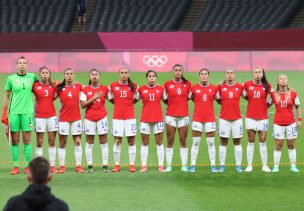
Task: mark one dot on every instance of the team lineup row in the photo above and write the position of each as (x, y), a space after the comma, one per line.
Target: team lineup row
(124, 93)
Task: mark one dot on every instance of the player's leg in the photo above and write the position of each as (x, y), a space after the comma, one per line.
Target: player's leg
(197, 128)
(182, 126)
(90, 129)
(64, 130)
(145, 130)
(237, 133)
(52, 128)
(130, 132)
(210, 128)
(76, 131)
(102, 129)
(158, 129)
(291, 135)
(26, 127)
(15, 152)
(224, 133)
(171, 125)
(40, 126)
(250, 149)
(118, 132)
(279, 137)
(263, 150)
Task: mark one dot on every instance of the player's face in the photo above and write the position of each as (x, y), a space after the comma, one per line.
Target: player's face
(69, 75)
(21, 64)
(230, 75)
(94, 76)
(151, 78)
(124, 74)
(204, 76)
(282, 80)
(44, 75)
(177, 72)
(257, 74)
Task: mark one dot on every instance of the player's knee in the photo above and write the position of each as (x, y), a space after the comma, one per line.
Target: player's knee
(290, 146)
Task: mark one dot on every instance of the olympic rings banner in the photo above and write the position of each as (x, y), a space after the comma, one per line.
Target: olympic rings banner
(158, 60)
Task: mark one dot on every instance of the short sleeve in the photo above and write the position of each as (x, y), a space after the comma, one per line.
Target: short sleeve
(165, 95)
(218, 96)
(8, 85)
(83, 96)
(297, 101)
(110, 94)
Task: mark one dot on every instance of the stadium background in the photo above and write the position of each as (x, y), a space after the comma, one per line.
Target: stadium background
(155, 34)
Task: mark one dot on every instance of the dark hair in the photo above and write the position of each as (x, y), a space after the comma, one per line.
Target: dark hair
(183, 78)
(92, 70)
(46, 68)
(62, 84)
(21, 57)
(151, 71)
(40, 170)
(203, 70)
(263, 79)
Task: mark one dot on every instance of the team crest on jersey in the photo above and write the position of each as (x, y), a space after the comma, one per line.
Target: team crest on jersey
(263, 89)
(209, 90)
(39, 88)
(116, 88)
(236, 89)
(63, 89)
(197, 91)
(157, 91)
(251, 88)
(145, 91)
(171, 86)
(224, 89)
(16, 81)
(89, 93)
(73, 86)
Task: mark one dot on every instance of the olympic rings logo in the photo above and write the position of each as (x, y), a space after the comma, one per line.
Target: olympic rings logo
(152, 61)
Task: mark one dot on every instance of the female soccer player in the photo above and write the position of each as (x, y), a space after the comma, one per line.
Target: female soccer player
(151, 122)
(45, 114)
(18, 95)
(122, 95)
(285, 126)
(230, 121)
(176, 97)
(256, 92)
(203, 95)
(69, 118)
(93, 99)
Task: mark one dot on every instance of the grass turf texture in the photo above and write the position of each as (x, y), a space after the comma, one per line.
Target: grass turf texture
(202, 190)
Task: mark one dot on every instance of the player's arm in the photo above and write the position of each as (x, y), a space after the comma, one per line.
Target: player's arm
(86, 103)
(244, 94)
(110, 96)
(190, 96)
(299, 112)
(4, 118)
(218, 98)
(165, 97)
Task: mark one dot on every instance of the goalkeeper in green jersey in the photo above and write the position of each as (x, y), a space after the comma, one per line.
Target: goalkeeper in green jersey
(19, 114)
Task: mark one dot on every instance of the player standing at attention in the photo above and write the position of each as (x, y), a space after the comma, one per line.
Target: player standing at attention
(285, 125)
(69, 118)
(256, 92)
(176, 97)
(203, 95)
(230, 121)
(45, 114)
(122, 95)
(151, 119)
(18, 95)
(93, 99)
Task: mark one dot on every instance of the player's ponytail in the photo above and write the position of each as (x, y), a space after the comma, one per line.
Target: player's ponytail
(131, 85)
(264, 81)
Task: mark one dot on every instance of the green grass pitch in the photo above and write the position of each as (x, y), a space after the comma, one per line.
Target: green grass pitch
(202, 190)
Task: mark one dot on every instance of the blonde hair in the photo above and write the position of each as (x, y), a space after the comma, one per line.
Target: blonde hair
(277, 91)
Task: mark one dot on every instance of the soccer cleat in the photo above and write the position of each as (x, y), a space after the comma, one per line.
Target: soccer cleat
(265, 168)
(26, 170)
(168, 169)
(132, 168)
(143, 169)
(53, 170)
(294, 168)
(275, 169)
(90, 169)
(238, 169)
(191, 169)
(105, 169)
(61, 169)
(15, 171)
(213, 169)
(184, 169)
(249, 168)
(161, 168)
(79, 169)
(116, 168)
(221, 169)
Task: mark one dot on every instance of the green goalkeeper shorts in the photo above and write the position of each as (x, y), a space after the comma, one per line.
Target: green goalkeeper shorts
(21, 122)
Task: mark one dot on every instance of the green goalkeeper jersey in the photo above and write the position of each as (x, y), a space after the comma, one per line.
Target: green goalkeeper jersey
(20, 87)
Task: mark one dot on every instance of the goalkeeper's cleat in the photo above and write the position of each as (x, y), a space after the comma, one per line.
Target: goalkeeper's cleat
(15, 171)
(90, 169)
(161, 168)
(221, 169)
(275, 169)
(53, 170)
(79, 169)
(249, 168)
(294, 168)
(184, 169)
(132, 168)
(26, 170)
(168, 169)
(213, 169)
(238, 169)
(116, 168)
(143, 168)
(265, 168)
(192, 169)
(105, 169)
(61, 169)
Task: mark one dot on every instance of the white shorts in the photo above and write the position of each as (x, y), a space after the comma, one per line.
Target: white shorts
(288, 132)
(177, 121)
(75, 127)
(204, 126)
(46, 124)
(235, 127)
(124, 127)
(257, 125)
(101, 126)
(157, 127)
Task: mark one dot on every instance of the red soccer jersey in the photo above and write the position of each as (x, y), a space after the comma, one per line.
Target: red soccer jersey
(123, 100)
(69, 98)
(44, 93)
(151, 99)
(230, 98)
(257, 100)
(97, 110)
(177, 95)
(203, 97)
(284, 108)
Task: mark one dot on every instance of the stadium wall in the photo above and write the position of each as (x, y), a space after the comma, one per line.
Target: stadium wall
(273, 50)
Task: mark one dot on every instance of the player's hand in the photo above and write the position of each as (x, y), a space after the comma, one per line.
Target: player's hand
(56, 82)
(98, 95)
(299, 123)
(4, 118)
